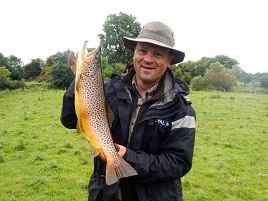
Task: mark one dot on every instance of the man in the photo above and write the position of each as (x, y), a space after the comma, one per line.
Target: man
(154, 123)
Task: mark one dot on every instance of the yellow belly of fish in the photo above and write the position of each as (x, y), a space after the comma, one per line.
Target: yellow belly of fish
(99, 138)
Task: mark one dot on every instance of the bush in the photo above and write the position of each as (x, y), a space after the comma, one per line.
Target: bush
(15, 84)
(219, 78)
(7, 83)
(197, 83)
(264, 81)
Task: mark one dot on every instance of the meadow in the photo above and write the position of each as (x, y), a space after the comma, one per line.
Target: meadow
(42, 160)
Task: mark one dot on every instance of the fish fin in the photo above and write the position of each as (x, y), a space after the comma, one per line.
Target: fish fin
(79, 130)
(93, 150)
(122, 170)
(77, 82)
(109, 114)
(79, 127)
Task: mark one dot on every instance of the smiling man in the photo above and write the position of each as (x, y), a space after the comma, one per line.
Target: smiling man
(154, 123)
(150, 64)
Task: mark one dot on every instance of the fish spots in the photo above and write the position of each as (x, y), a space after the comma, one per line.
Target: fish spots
(90, 91)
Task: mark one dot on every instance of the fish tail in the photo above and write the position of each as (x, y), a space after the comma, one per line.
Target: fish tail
(123, 169)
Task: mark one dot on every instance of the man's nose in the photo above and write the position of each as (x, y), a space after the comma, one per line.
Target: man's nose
(148, 57)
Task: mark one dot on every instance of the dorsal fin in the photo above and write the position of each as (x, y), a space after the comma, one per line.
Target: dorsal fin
(110, 114)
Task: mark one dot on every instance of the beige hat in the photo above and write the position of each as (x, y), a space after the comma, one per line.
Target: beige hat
(159, 34)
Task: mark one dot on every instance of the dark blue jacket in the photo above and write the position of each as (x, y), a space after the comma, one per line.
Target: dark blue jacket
(162, 142)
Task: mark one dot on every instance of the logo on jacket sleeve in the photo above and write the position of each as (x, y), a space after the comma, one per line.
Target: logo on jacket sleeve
(164, 123)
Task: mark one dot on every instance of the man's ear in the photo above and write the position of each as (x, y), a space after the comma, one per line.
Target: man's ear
(134, 51)
(171, 57)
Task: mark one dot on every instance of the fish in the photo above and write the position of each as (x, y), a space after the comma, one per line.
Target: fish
(92, 114)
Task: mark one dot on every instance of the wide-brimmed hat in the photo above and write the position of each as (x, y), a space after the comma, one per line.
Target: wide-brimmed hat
(159, 34)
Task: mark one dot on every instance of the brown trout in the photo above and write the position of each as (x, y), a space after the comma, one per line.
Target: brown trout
(92, 115)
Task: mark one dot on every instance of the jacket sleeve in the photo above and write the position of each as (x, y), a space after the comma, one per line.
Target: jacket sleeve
(175, 158)
(68, 116)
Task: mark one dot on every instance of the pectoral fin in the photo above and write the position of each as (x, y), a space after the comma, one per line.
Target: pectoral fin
(93, 150)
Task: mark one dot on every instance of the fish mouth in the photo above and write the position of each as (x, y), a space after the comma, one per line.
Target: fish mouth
(96, 51)
(85, 53)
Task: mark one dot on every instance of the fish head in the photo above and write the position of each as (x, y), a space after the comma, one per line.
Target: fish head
(88, 63)
(93, 62)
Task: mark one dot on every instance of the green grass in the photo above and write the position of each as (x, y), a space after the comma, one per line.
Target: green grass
(42, 160)
(37, 85)
(230, 159)
(39, 158)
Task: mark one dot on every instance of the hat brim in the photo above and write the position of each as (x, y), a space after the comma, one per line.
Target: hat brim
(130, 43)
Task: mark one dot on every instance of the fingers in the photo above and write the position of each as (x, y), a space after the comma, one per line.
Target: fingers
(73, 67)
(119, 148)
(71, 59)
(102, 156)
(122, 150)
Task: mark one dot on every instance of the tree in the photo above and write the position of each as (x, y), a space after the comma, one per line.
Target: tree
(197, 83)
(4, 71)
(187, 77)
(33, 69)
(60, 71)
(3, 61)
(176, 71)
(15, 67)
(115, 28)
(183, 70)
(107, 70)
(219, 78)
(226, 61)
(4, 78)
(201, 66)
(237, 72)
(247, 78)
(264, 81)
(6, 82)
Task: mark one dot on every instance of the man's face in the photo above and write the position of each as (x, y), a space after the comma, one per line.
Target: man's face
(150, 63)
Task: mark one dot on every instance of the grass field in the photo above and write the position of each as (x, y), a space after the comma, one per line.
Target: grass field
(42, 160)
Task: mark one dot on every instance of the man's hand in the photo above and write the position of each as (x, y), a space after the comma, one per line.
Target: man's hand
(102, 156)
(120, 149)
(72, 61)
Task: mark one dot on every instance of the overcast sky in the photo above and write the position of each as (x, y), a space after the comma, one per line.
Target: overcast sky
(203, 28)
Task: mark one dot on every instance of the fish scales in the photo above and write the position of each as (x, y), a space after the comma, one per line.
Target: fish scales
(92, 116)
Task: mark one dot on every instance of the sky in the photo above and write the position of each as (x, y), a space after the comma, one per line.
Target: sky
(33, 29)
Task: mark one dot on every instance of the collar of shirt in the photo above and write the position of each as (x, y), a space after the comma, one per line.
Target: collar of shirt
(149, 94)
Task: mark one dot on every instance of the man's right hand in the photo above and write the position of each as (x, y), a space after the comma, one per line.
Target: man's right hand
(72, 61)
(119, 148)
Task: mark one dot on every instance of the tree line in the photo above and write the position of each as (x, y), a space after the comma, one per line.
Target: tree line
(219, 73)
